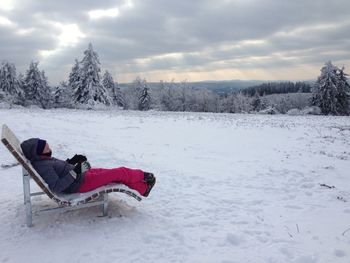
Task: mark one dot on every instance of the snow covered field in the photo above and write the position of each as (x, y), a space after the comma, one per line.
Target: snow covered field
(230, 188)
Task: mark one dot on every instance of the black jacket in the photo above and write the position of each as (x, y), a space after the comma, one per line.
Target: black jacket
(55, 172)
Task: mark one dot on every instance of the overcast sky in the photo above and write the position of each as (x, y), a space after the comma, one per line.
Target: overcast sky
(179, 39)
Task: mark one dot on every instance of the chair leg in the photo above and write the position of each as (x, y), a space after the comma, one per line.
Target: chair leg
(105, 204)
(27, 199)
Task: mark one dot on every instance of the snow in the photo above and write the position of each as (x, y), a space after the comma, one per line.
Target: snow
(230, 188)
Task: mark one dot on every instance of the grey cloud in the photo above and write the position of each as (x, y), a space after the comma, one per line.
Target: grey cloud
(197, 29)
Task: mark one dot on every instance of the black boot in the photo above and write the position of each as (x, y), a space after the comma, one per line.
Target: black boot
(150, 180)
(148, 177)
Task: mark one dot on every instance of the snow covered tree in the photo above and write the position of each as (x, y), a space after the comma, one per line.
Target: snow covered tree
(343, 97)
(20, 79)
(109, 85)
(133, 93)
(113, 89)
(47, 91)
(10, 85)
(206, 101)
(167, 96)
(144, 98)
(181, 97)
(256, 102)
(119, 96)
(236, 102)
(89, 90)
(325, 89)
(184, 97)
(74, 78)
(224, 103)
(331, 91)
(241, 103)
(37, 91)
(62, 96)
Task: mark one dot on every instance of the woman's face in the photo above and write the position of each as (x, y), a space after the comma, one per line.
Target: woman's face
(47, 148)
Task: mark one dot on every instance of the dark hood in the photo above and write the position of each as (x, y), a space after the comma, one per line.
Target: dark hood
(29, 149)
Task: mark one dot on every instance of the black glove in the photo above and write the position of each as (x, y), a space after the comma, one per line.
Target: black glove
(78, 158)
(77, 168)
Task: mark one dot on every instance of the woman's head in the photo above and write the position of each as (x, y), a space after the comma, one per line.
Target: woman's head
(43, 148)
(34, 148)
(40, 146)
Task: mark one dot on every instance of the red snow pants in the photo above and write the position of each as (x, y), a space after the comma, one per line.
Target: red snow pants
(97, 177)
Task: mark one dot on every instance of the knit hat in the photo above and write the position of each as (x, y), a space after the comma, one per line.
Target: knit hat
(40, 146)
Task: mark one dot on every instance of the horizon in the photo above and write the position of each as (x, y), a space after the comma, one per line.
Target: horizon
(231, 80)
(195, 41)
(226, 80)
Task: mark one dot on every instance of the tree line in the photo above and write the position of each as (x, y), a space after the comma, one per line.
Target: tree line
(277, 88)
(86, 87)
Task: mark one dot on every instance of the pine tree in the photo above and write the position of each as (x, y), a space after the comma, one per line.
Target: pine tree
(37, 91)
(256, 102)
(343, 97)
(46, 91)
(74, 81)
(330, 92)
(62, 96)
(145, 97)
(10, 85)
(119, 96)
(21, 82)
(90, 91)
(109, 85)
(20, 79)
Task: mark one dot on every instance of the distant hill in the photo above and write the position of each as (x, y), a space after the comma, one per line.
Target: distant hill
(219, 87)
(226, 86)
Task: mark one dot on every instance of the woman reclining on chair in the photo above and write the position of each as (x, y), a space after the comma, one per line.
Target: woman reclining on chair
(75, 175)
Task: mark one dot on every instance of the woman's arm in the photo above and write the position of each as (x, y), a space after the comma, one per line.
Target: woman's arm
(56, 184)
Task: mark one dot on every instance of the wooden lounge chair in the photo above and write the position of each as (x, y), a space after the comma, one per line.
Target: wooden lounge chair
(65, 202)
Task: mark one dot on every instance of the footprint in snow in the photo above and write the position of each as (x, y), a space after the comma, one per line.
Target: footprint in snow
(339, 253)
(233, 239)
